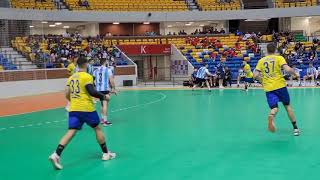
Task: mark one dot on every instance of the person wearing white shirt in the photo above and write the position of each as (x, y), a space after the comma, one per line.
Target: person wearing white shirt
(311, 73)
(297, 71)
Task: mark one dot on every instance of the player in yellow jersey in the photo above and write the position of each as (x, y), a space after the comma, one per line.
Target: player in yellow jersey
(249, 75)
(72, 68)
(268, 70)
(80, 91)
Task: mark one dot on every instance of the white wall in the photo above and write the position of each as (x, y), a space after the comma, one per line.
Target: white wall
(36, 87)
(308, 25)
(33, 87)
(45, 31)
(119, 80)
(191, 29)
(91, 29)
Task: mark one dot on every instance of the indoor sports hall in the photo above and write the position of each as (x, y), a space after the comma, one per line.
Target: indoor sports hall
(159, 89)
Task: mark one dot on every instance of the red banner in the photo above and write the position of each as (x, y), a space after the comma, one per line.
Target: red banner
(152, 49)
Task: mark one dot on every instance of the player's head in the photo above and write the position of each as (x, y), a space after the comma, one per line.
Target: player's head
(205, 65)
(103, 62)
(90, 61)
(82, 62)
(195, 69)
(244, 62)
(310, 64)
(271, 48)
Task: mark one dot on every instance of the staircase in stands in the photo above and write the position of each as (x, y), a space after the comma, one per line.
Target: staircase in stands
(17, 59)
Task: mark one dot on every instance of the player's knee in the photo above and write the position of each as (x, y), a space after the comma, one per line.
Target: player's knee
(273, 112)
(108, 98)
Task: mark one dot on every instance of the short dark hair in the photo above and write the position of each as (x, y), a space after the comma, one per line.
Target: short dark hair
(102, 61)
(82, 61)
(271, 48)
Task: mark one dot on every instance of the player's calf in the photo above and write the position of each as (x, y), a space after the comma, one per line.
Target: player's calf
(272, 115)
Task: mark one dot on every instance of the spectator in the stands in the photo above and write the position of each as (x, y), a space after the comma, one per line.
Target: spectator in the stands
(246, 36)
(84, 3)
(238, 33)
(228, 77)
(237, 46)
(222, 31)
(311, 73)
(215, 31)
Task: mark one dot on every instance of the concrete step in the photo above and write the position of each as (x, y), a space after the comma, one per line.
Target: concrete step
(28, 67)
(6, 49)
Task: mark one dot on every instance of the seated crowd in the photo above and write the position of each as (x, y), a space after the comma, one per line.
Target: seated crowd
(54, 51)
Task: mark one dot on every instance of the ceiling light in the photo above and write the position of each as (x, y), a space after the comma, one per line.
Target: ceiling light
(309, 17)
(31, 26)
(263, 19)
(44, 22)
(146, 22)
(58, 23)
(66, 27)
(115, 23)
(169, 26)
(188, 24)
(52, 25)
(201, 25)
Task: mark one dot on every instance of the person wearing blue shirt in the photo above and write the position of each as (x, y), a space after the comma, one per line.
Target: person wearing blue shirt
(221, 73)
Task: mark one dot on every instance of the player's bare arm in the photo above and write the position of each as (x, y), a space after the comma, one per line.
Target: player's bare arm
(289, 70)
(67, 93)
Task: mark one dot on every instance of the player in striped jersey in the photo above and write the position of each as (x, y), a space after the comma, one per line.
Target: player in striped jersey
(104, 83)
(201, 75)
(311, 73)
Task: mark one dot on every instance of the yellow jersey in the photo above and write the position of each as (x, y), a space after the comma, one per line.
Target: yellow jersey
(71, 69)
(270, 68)
(247, 70)
(80, 99)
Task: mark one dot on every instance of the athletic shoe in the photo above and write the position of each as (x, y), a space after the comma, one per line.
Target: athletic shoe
(55, 160)
(271, 126)
(105, 123)
(296, 132)
(108, 156)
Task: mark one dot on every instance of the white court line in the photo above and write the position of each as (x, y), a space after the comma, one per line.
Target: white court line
(163, 96)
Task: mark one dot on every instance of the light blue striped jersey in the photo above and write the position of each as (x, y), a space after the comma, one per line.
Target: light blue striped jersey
(311, 71)
(201, 73)
(90, 69)
(102, 78)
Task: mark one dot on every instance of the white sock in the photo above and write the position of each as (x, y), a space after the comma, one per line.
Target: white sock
(105, 118)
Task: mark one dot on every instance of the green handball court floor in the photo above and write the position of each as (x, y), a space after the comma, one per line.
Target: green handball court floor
(171, 135)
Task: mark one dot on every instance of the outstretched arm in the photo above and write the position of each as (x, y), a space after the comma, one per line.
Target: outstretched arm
(257, 75)
(289, 70)
(208, 73)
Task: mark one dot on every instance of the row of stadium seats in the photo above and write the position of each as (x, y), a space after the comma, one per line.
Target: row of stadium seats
(295, 3)
(130, 5)
(212, 5)
(33, 4)
(5, 64)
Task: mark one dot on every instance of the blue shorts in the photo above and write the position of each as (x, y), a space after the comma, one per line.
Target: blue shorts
(249, 80)
(77, 119)
(279, 95)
